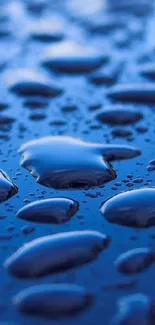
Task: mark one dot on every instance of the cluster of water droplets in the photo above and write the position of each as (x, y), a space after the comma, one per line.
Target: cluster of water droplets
(61, 84)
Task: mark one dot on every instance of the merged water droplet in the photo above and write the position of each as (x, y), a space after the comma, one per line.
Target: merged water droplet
(134, 309)
(69, 57)
(27, 82)
(7, 188)
(134, 208)
(118, 115)
(135, 260)
(56, 253)
(55, 210)
(133, 92)
(53, 300)
(65, 162)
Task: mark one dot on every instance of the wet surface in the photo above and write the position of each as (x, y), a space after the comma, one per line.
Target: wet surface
(107, 62)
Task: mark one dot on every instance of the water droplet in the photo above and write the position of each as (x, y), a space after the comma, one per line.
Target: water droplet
(35, 102)
(53, 300)
(142, 7)
(47, 31)
(28, 82)
(68, 57)
(133, 92)
(26, 230)
(134, 208)
(37, 116)
(55, 253)
(135, 260)
(121, 132)
(147, 70)
(55, 210)
(133, 309)
(152, 162)
(118, 115)
(105, 24)
(64, 162)
(7, 188)
(107, 74)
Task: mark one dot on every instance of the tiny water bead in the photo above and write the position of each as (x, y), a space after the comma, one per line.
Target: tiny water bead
(7, 188)
(55, 253)
(50, 211)
(53, 300)
(135, 208)
(65, 162)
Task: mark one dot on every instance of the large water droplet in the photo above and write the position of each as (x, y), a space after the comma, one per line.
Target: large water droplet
(64, 162)
(55, 210)
(134, 208)
(53, 300)
(55, 253)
